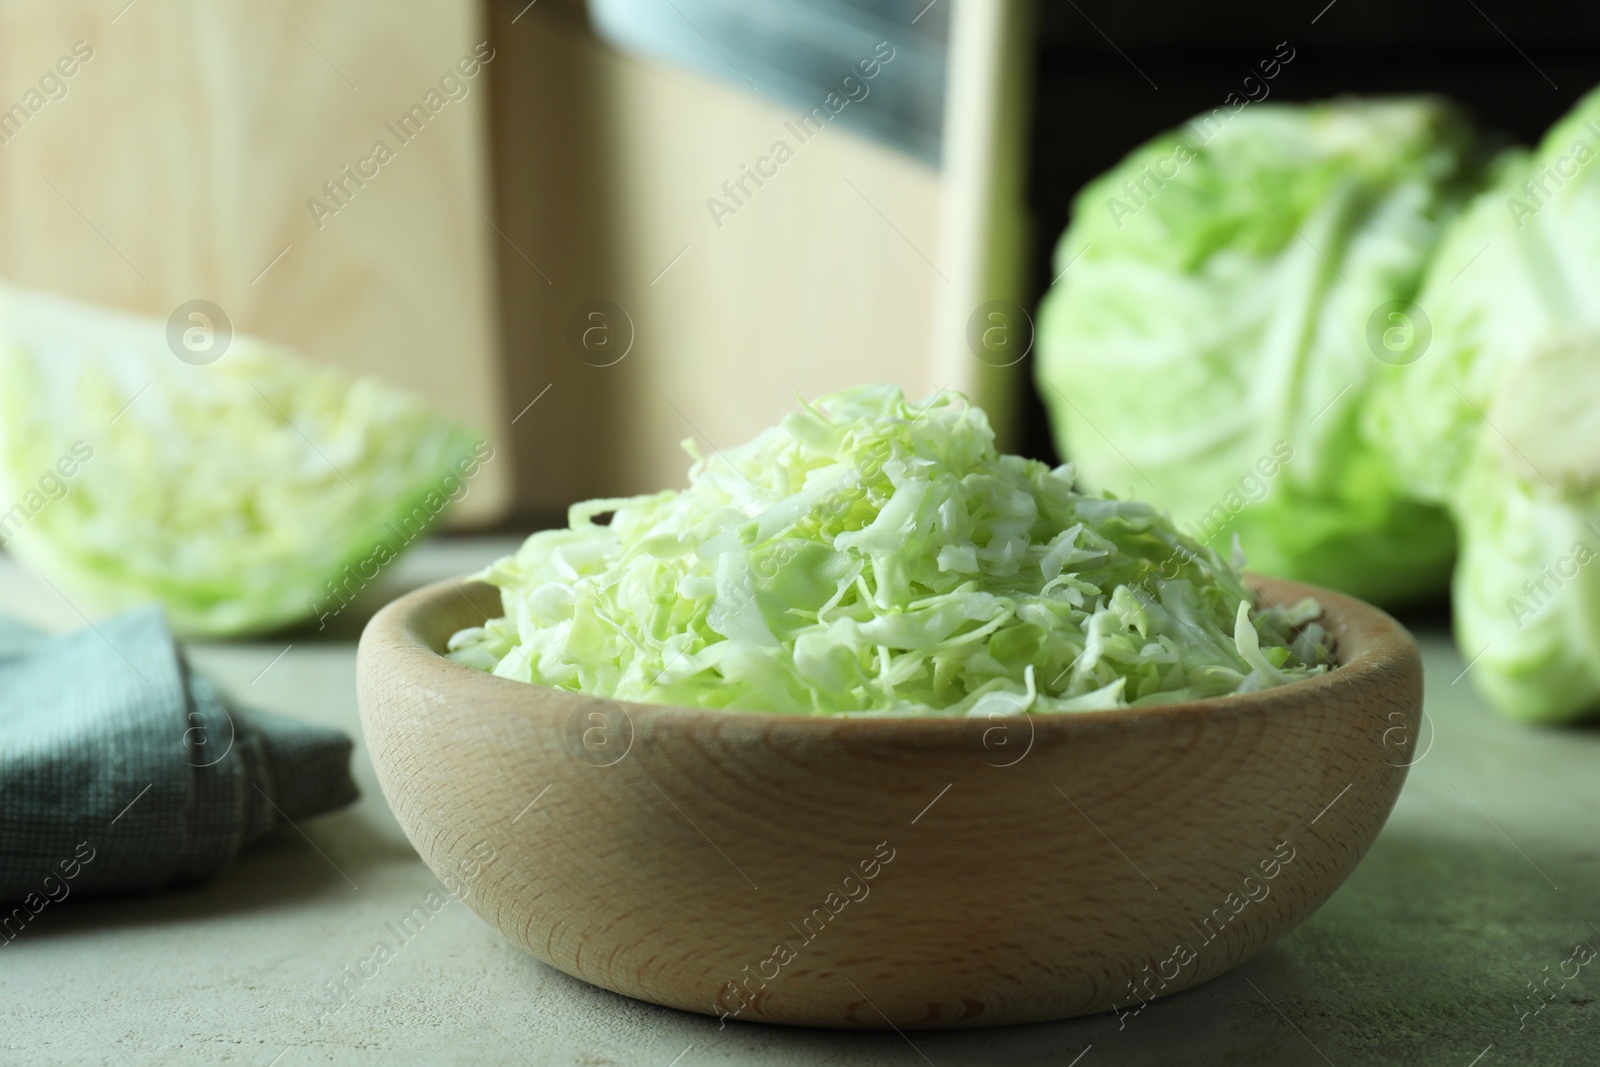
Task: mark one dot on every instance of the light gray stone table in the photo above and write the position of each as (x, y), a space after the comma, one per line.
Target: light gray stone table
(1487, 874)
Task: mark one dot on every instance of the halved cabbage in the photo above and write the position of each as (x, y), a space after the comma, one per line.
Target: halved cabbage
(247, 494)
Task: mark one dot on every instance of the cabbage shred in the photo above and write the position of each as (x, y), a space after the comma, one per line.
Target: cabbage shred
(871, 556)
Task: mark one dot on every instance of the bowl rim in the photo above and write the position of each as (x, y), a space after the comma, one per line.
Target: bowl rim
(1379, 651)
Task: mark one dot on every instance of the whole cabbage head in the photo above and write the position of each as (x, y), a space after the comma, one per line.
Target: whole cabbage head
(1224, 304)
(1500, 419)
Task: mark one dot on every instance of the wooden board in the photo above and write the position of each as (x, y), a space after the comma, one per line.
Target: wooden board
(825, 276)
(177, 162)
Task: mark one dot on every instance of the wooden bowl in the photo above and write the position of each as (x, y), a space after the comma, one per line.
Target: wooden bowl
(914, 873)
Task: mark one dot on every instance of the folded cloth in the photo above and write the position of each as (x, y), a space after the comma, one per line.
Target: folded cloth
(120, 765)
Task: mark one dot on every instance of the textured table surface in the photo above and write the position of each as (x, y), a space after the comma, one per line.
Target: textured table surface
(1485, 879)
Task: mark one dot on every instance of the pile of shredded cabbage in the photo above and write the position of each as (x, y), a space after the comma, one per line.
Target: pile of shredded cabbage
(870, 556)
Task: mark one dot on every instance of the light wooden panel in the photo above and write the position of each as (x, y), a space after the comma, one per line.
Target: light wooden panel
(984, 219)
(825, 278)
(179, 163)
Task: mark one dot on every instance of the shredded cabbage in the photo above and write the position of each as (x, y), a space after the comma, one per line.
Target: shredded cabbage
(868, 556)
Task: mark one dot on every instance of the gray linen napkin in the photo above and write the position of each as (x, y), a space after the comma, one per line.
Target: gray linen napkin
(120, 766)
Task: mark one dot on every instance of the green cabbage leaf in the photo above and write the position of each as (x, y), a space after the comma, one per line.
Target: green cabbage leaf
(871, 556)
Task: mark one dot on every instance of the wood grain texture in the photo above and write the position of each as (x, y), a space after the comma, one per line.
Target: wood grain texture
(807, 289)
(983, 871)
(180, 160)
